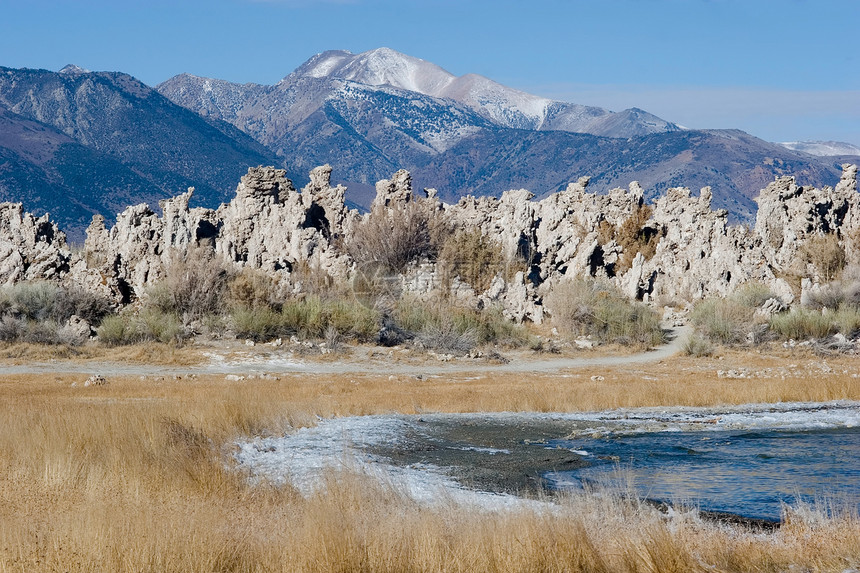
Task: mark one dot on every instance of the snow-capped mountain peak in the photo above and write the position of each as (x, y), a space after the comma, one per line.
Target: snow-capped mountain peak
(502, 105)
(72, 69)
(379, 67)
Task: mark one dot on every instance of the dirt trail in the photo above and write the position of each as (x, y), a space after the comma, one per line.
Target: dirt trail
(277, 362)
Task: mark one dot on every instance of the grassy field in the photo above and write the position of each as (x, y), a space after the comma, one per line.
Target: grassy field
(132, 476)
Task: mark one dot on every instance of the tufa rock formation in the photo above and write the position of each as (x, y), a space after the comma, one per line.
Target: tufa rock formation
(678, 250)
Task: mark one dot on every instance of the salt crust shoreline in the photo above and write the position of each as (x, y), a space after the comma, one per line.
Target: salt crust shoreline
(303, 458)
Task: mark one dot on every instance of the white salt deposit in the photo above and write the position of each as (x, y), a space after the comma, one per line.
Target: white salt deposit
(304, 457)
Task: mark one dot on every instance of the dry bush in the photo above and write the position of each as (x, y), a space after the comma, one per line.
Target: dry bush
(391, 238)
(195, 285)
(605, 232)
(587, 306)
(313, 280)
(440, 325)
(826, 254)
(253, 288)
(474, 258)
(633, 235)
(732, 319)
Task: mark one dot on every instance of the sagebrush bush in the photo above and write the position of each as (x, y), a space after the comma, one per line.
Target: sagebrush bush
(440, 325)
(14, 329)
(587, 306)
(73, 300)
(698, 346)
(195, 285)
(309, 317)
(30, 300)
(38, 312)
(732, 319)
(802, 324)
(843, 291)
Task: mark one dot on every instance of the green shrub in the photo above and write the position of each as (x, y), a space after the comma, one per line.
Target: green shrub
(723, 320)
(752, 295)
(150, 324)
(802, 324)
(257, 323)
(115, 330)
(159, 326)
(586, 306)
(310, 317)
(847, 319)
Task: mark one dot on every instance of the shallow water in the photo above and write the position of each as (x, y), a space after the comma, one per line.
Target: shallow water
(750, 473)
(746, 460)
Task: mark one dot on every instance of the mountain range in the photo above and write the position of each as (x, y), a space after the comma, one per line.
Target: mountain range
(76, 142)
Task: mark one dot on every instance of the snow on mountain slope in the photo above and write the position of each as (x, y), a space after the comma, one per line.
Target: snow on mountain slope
(823, 148)
(504, 106)
(385, 112)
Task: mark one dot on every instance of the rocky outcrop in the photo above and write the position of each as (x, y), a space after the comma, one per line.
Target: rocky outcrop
(676, 251)
(30, 248)
(268, 226)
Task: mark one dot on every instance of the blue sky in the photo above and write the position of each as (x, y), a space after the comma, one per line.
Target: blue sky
(783, 70)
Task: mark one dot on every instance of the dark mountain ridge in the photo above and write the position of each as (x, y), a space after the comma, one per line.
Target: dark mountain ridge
(106, 140)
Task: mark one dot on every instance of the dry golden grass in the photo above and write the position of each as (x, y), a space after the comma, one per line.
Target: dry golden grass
(132, 477)
(145, 353)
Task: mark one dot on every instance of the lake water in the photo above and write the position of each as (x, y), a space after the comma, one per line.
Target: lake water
(749, 473)
(746, 460)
